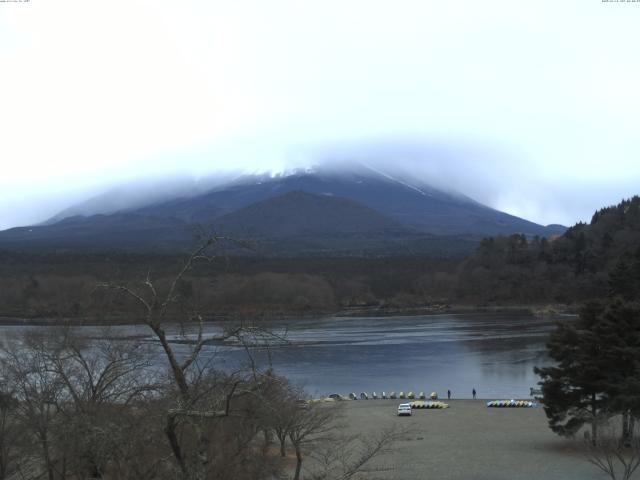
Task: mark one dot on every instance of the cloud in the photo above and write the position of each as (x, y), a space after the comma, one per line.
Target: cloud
(516, 103)
(498, 177)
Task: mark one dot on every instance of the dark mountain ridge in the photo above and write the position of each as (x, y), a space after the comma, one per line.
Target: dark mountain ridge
(352, 212)
(302, 213)
(411, 203)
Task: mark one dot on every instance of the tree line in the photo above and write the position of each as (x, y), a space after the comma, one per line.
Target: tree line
(52, 286)
(595, 379)
(572, 268)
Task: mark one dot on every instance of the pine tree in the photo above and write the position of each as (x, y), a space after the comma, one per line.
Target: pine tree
(619, 331)
(598, 368)
(624, 279)
(574, 390)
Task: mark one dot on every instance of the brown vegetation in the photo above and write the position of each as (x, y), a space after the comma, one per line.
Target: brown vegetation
(73, 408)
(51, 286)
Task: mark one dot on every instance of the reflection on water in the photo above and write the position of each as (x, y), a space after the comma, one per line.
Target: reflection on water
(493, 353)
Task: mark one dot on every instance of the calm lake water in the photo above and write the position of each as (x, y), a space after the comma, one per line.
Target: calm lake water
(493, 353)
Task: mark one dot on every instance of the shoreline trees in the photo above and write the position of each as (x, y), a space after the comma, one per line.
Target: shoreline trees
(597, 371)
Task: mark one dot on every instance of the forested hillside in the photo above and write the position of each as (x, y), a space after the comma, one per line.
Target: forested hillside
(585, 263)
(63, 285)
(579, 265)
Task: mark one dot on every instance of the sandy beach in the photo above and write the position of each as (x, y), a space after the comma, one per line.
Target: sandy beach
(470, 441)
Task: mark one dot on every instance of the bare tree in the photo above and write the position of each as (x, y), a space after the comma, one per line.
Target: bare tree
(617, 457)
(311, 425)
(316, 432)
(71, 397)
(10, 434)
(346, 456)
(283, 405)
(38, 392)
(101, 371)
(156, 308)
(101, 378)
(200, 395)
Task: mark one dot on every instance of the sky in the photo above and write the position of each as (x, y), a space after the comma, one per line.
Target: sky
(530, 107)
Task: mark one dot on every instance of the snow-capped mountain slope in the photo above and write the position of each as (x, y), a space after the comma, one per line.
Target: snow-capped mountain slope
(380, 210)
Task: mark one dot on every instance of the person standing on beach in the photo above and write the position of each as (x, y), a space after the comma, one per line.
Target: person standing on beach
(474, 393)
(448, 394)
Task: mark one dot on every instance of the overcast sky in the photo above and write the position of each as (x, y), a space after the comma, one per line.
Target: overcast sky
(531, 107)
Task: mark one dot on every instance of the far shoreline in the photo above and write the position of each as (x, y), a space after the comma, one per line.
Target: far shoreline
(351, 312)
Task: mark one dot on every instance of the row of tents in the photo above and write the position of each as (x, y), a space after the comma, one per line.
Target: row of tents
(420, 404)
(511, 404)
(384, 395)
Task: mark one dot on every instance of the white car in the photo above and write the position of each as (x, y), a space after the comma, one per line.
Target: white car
(404, 409)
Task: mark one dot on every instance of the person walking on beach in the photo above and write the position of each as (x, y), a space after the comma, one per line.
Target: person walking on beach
(448, 394)
(474, 393)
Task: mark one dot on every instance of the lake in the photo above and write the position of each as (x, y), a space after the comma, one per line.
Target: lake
(493, 353)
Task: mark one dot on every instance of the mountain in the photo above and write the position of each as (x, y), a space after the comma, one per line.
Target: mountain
(141, 193)
(301, 213)
(355, 211)
(304, 224)
(120, 231)
(409, 202)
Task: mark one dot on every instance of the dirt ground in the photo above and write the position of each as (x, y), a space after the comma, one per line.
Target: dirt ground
(470, 441)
